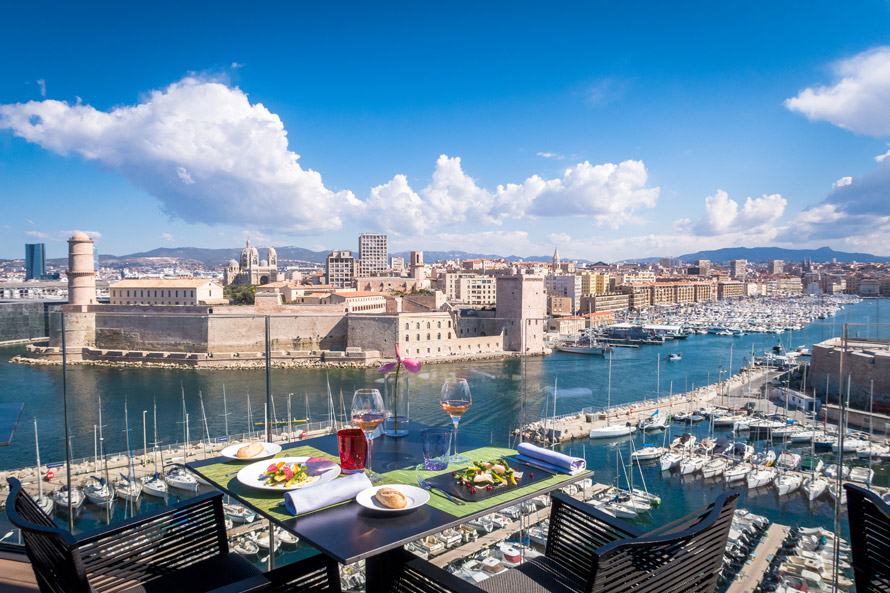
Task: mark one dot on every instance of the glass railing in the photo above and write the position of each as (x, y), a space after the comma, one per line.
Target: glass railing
(137, 391)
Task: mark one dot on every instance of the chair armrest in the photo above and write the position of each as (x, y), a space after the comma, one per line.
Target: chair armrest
(317, 573)
(419, 576)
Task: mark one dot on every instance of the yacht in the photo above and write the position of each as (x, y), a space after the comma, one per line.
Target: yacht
(178, 477)
(814, 487)
(60, 499)
(97, 491)
(648, 453)
(761, 477)
(786, 483)
(154, 485)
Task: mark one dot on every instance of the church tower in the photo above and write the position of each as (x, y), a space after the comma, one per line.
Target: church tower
(555, 260)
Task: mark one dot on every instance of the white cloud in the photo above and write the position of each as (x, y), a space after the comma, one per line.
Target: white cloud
(201, 148)
(42, 84)
(167, 237)
(842, 182)
(608, 193)
(29, 221)
(551, 155)
(858, 100)
(722, 215)
(236, 65)
(559, 238)
(880, 158)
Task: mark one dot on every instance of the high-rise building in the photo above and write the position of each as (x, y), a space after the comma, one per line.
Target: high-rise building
(35, 261)
(373, 255)
(704, 267)
(775, 266)
(340, 269)
(738, 268)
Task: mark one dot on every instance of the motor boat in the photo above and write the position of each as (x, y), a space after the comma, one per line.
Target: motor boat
(648, 453)
(611, 431)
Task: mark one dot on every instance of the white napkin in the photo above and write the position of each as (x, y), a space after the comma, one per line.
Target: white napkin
(552, 459)
(306, 500)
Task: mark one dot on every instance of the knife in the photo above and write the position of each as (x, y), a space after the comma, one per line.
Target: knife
(532, 464)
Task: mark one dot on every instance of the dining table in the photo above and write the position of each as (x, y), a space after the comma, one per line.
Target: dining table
(349, 532)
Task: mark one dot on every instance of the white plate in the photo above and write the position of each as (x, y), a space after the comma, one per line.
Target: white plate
(417, 497)
(323, 470)
(269, 449)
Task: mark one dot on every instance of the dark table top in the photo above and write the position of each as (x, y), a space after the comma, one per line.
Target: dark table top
(348, 532)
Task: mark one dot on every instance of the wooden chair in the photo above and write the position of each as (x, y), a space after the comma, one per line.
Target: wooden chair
(869, 518)
(589, 551)
(182, 547)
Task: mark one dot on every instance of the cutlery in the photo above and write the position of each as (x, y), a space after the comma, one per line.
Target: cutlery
(421, 481)
(532, 464)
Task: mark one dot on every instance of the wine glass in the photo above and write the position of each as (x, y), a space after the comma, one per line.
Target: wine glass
(368, 413)
(456, 400)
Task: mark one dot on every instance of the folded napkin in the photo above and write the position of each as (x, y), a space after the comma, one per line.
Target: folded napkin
(306, 500)
(551, 459)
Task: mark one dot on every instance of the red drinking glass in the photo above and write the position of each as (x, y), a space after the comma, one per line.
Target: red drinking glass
(353, 447)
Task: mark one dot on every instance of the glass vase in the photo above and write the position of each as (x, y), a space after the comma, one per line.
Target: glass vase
(395, 401)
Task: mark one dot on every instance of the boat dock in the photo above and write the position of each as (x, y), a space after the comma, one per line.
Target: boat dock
(751, 575)
(498, 535)
(577, 426)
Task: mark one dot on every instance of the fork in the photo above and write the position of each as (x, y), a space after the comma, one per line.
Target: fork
(421, 481)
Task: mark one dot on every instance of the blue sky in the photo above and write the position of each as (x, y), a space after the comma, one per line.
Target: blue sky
(614, 131)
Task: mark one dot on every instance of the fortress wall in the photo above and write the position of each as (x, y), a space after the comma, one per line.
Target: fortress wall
(247, 333)
(864, 365)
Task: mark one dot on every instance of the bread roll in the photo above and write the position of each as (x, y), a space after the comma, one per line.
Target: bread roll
(391, 498)
(251, 450)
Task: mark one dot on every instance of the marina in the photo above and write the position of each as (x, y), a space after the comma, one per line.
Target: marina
(505, 392)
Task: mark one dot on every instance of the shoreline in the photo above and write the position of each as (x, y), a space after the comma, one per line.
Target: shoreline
(250, 361)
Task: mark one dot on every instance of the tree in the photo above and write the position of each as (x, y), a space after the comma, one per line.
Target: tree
(240, 294)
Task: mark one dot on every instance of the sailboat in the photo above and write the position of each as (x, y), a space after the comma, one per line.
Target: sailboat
(67, 495)
(155, 484)
(127, 487)
(97, 490)
(176, 475)
(43, 501)
(611, 430)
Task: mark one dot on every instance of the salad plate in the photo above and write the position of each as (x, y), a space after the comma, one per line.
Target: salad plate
(269, 449)
(416, 497)
(300, 472)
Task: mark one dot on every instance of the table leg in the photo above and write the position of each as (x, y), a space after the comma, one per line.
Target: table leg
(379, 573)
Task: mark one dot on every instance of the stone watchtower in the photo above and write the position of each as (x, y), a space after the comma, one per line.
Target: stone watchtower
(80, 320)
(81, 274)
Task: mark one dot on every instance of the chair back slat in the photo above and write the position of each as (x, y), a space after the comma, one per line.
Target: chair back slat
(155, 546)
(577, 530)
(869, 518)
(679, 561)
(52, 551)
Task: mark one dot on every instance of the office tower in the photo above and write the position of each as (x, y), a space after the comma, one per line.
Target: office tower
(340, 269)
(373, 255)
(737, 268)
(775, 266)
(35, 261)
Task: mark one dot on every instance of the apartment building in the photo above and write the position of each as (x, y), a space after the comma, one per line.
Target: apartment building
(155, 291)
(373, 255)
(340, 269)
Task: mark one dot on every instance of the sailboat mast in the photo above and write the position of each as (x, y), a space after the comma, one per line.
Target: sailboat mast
(155, 444)
(204, 415)
(37, 450)
(225, 411)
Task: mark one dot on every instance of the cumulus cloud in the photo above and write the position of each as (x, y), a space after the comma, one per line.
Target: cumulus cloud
(723, 216)
(858, 100)
(200, 147)
(559, 238)
(842, 182)
(608, 193)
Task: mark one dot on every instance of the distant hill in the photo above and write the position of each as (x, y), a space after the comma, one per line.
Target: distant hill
(431, 256)
(216, 257)
(764, 254)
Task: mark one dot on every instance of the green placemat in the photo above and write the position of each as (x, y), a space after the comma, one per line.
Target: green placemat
(264, 500)
(408, 476)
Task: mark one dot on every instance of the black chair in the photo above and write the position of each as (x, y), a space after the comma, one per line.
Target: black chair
(589, 551)
(182, 547)
(869, 518)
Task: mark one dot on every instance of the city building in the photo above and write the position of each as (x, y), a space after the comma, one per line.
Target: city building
(738, 268)
(559, 305)
(396, 264)
(567, 285)
(731, 290)
(35, 261)
(775, 266)
(359, 301)
(249, 269)
(373, 255)
(340, 269)
(173, 291)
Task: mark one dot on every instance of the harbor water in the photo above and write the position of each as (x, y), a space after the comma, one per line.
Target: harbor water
(506, 394)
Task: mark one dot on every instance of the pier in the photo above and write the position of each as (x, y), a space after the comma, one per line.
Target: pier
(751, 575)
(731, 392)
